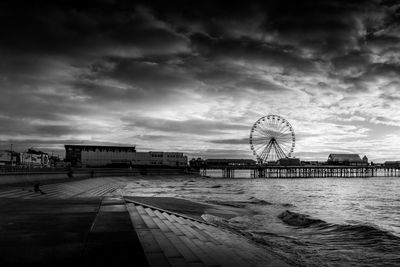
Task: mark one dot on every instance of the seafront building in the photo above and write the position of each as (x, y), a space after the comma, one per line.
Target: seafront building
(7, 158)
(347, 159)
(28, 159)
(120, 156)
(33, 158)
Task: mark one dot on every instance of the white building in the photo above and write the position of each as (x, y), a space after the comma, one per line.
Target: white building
(5, 158)
(103, 156)
(141, 158)
(174, 159)
(34, 160)
(100, 157)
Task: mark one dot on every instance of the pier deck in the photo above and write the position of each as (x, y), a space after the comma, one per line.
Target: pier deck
(83, 227)
(306, 171)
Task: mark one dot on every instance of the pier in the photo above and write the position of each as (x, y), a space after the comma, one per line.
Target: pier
(307, 171)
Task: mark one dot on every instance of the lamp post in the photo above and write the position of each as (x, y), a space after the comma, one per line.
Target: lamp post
(11, 154)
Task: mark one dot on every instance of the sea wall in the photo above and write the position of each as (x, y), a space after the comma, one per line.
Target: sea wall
(35, 176)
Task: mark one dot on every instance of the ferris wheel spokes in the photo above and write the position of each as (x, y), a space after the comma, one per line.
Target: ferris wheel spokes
(272, 138)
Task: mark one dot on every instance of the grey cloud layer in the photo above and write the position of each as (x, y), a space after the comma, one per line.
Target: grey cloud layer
(65, 63)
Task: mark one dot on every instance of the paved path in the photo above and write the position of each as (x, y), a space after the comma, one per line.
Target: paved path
(73, 232)
(82, 223)
(75, 189)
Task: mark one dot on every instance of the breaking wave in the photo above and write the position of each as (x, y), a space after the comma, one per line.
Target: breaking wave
(298, 219)
(361, 234)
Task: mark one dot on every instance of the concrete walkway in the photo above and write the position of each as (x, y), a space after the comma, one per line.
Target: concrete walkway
(87, 226)
(73, 232)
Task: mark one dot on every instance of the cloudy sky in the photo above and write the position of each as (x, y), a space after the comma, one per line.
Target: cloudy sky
(194, 76)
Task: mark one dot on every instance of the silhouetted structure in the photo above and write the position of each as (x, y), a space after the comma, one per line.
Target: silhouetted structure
(229, 162)
(394, 164)
(197, 163)
(347, 159)
(289, 162)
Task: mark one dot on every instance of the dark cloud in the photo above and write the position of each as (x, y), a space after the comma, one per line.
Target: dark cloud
(222, 153)
(251, 51)
(193, 126)
(55, 130)
(323, 26)
(239, 141)
(50, 145)
(71, 27)
(25, 127)
(353, 63)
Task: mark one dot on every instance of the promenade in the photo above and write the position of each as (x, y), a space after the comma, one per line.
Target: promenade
(91, 223)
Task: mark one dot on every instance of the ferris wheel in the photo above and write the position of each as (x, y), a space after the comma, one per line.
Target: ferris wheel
(272, 138)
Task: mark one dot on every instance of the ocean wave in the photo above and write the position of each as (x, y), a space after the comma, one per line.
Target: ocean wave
(214, 219)
(241, 204)
(360, 233)
(298, 219)
(254, 200)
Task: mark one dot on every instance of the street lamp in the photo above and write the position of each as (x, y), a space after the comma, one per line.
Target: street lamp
(11, 154)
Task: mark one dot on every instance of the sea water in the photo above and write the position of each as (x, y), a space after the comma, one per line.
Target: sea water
(310, 222)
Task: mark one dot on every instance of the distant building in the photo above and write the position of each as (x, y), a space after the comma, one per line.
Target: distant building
(172, 159)
(392, 164)
(120, 156)
(34, 159)
(197, 163)
(7, 158)
(289, 162)
(229, 162)
(347, 159)
(91, 155)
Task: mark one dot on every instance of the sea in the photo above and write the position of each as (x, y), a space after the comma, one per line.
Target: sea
(308, 222)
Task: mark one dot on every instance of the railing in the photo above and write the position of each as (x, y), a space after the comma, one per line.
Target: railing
(30, 169)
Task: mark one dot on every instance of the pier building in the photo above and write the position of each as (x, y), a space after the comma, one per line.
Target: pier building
(395, 164)
(229, 162)
(347, 159)
(289, 162)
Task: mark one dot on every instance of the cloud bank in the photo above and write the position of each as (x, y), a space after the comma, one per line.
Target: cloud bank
(194, 78)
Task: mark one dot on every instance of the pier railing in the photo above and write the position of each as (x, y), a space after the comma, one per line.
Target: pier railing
(306, 171)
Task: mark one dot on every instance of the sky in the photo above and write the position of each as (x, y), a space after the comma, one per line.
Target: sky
(194, 76)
